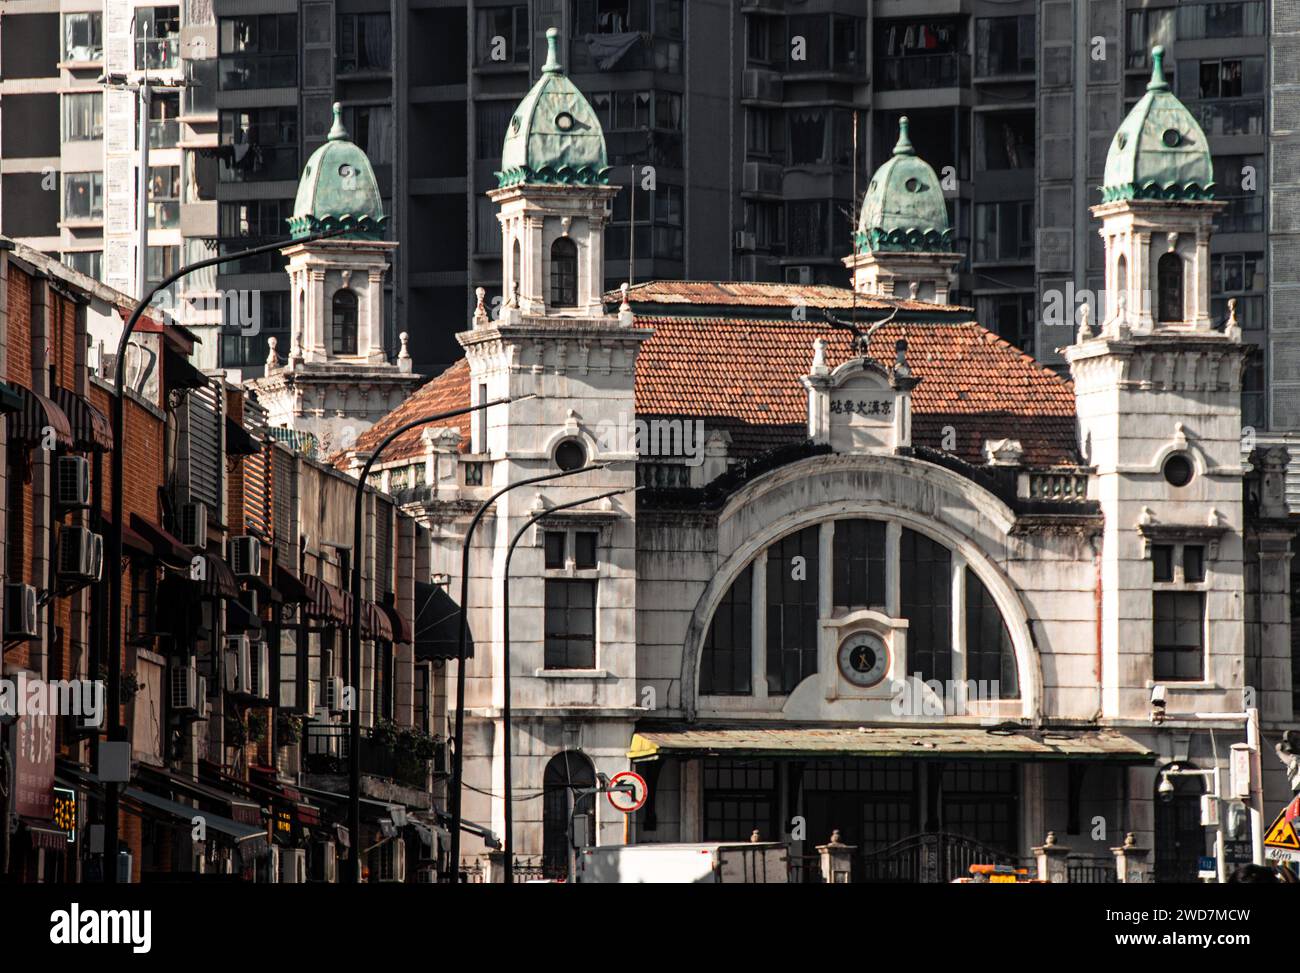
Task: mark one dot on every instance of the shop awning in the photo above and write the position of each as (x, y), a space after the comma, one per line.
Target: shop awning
(166, 547)
(178, 373)
(375, 623)
(248, 838)
(27, 425)
(968, 742)
(402, 631)
(43, 834)
(325, 600)
(90, 427)
(239, 442)
(240, 619)
(289, 586)
(218, 580)
(238, 807)
(437, 624)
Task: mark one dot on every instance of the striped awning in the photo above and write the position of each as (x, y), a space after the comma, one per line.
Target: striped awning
(90, 427)
(402, 631)
(326, 602)
(375, 623)
(218, 580)
(28, 425)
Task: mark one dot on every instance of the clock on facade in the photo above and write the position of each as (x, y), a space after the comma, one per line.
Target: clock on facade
(863, 659)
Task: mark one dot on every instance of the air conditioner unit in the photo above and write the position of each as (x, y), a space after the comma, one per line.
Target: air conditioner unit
(269, 867)
(194, 525)
(96, 556)
(21, 608)
(184, 686)
(77, 554)
(334, 693)
(293, 866)
(801, 274)
(73, 488)
(259, 673)
(246, 556)
(238, 650)
(426, 875)
(329, 860)
(746, 240)
(392, 861)
(205, 704)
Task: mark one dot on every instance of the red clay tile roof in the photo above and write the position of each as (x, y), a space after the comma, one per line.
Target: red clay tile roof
(449, 390)
(742, 374)
(738, 294)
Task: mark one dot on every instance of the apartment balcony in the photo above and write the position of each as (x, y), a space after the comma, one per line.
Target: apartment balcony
(761, 86)
(762, 6)
(1229, 116)
(924, 71)
(762, 179)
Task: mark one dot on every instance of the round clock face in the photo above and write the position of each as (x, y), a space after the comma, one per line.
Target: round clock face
(864, 660)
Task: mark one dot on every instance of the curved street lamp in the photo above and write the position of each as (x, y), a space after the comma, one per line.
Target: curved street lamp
(458, 735)
(505, 667)
(354, 662)
(113, 556)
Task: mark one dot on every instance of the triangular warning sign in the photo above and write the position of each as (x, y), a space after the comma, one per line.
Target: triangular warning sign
(1282, 835)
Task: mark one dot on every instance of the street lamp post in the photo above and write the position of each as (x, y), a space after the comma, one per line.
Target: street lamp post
(354, 662)
(505, 667)
(458, 734)
(114, 553)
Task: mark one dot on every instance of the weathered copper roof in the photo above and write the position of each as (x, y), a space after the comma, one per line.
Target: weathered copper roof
(904, 208)
(920, 741)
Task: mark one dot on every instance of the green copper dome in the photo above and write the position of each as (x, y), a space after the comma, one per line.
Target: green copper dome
(904, 207)
(1160, 151)
(338, 190)
(554, 136)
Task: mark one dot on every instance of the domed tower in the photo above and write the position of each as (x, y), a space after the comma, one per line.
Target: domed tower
(553, 192)
(903, 237)
(1157, 214)
(569, 369)
(335, 379)
(1158, 399)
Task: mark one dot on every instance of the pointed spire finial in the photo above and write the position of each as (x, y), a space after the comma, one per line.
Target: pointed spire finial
(552, 65)
(1158, 82)
(904, 144)
(337, 131)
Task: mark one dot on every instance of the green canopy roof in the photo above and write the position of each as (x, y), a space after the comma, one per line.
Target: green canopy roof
(338, 190)
(554, 135)
(1160, 151)
(904, 208)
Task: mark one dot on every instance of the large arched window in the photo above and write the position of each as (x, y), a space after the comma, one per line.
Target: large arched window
(922, 580)
(566, 773)
(1169, 287)
(343, 323)
(1121, 281)
(516, 269)
(564, 273)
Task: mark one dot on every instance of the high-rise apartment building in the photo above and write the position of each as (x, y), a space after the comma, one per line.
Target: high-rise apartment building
(736, 121)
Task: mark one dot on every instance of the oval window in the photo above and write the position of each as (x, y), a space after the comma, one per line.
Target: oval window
(1179, 470)
(1172, 137)
(346, 170)
(564, 121)
(514, 124)
(1121, 140)
(570, 455)
(913, 185)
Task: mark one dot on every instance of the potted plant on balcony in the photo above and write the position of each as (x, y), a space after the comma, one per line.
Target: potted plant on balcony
(410, 748)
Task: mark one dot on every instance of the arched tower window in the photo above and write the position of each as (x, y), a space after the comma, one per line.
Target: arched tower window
(1169, 285)
(564, 273)
(516, 269)
(343, 323)
(1121, 280)
(566, 773)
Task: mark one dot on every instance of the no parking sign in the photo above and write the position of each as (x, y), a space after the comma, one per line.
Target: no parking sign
(627, 791)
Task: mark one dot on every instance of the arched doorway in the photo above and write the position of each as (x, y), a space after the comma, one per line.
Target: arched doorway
(1169, 287)
(567, 772)
(1180, 837)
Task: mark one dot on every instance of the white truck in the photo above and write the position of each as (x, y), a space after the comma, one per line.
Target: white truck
(705, 863)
